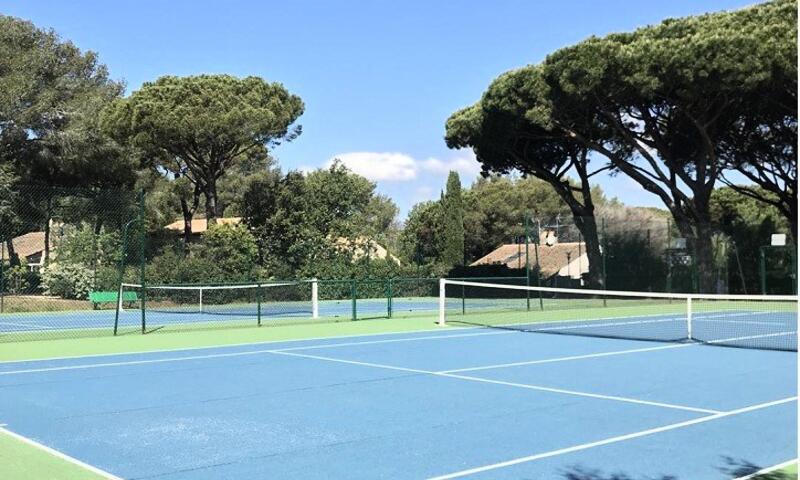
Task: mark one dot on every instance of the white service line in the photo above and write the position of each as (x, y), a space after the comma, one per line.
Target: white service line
(607, 441)
(61, 455)
(499, 382)
(767, 470)
(566, 359)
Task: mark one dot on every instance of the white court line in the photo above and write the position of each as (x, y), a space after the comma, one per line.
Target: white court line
(233, 354)
(56, 453)
(498, 382)
(245, 344)
(26, 325)
(565, 359)
(607, 441)
(767, 470)
(750, 337)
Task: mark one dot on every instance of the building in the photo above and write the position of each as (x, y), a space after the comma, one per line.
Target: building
(563, 260)
(200, 225)
(30, 249)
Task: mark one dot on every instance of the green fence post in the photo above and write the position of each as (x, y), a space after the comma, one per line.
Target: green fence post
(142, 278)
(258, 303)
(527, 263)
(389, 295)
(604, 254)
(353, 293)
(2, 276)
(121, 277)
(762, 269)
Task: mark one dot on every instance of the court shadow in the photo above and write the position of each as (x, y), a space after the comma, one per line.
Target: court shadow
(732, 468)
(581, 473)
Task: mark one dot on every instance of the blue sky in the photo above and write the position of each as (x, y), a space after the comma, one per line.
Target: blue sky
(379, 78)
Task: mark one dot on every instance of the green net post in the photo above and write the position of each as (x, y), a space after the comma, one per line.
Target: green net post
(353, 295)
(142, 276)
(258, 303)
(389, 295)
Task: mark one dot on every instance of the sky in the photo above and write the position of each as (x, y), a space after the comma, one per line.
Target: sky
(379, 78)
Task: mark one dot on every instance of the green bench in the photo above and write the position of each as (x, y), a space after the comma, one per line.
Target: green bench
(111, 297)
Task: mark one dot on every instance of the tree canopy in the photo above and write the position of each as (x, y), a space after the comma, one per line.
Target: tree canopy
(196, 127)
(659, 105)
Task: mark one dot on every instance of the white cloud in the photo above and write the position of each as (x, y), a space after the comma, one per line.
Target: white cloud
(399, 167)
(377, 166)
(468, 167)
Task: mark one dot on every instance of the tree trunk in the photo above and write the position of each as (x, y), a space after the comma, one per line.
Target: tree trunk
(211, 201)
(587, 224)
(13, 258)
(187, 225)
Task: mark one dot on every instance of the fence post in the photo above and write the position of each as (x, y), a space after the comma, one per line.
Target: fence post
(314, 298)
(354, 293)
(442, 300)
(389, 296)
(142, 279)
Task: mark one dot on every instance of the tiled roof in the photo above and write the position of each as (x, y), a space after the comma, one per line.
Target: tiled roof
(28, 244)
(551, 258)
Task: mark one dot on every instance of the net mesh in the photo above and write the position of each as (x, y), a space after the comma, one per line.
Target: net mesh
(185, 306)
(765, 322)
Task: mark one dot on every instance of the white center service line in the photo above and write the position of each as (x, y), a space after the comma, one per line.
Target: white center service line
(499, 382)
(607, 441)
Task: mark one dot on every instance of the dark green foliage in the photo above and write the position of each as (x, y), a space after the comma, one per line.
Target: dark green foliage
(663, 105)
(749, 225)
(197, 127)
(453, 223)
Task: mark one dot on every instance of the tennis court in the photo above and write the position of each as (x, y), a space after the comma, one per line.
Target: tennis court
(447, 403)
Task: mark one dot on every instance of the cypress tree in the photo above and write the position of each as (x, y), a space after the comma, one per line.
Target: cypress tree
(452, 253)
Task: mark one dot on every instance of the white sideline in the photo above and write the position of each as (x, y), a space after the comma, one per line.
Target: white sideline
(565, 359)
(232, 354)
(245, 344)
(767, 470)
(34, 325)
(610, 440)
(499, 382)
(61, 455)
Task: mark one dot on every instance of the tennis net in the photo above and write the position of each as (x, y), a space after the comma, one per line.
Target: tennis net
(242, 303)
(764, 322)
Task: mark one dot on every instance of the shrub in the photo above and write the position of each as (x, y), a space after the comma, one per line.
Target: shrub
(67, 280)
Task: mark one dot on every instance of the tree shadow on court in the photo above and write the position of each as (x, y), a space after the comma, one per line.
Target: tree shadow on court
(732, 468)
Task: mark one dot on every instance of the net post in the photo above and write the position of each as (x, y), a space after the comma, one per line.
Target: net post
(201, 300)
(258, 302)
(442, 300)
(689, 317)
(314, 298)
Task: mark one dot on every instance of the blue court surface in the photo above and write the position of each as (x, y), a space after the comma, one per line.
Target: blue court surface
(451, 403)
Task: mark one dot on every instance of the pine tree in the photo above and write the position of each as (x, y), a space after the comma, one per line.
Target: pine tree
(452, 253)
